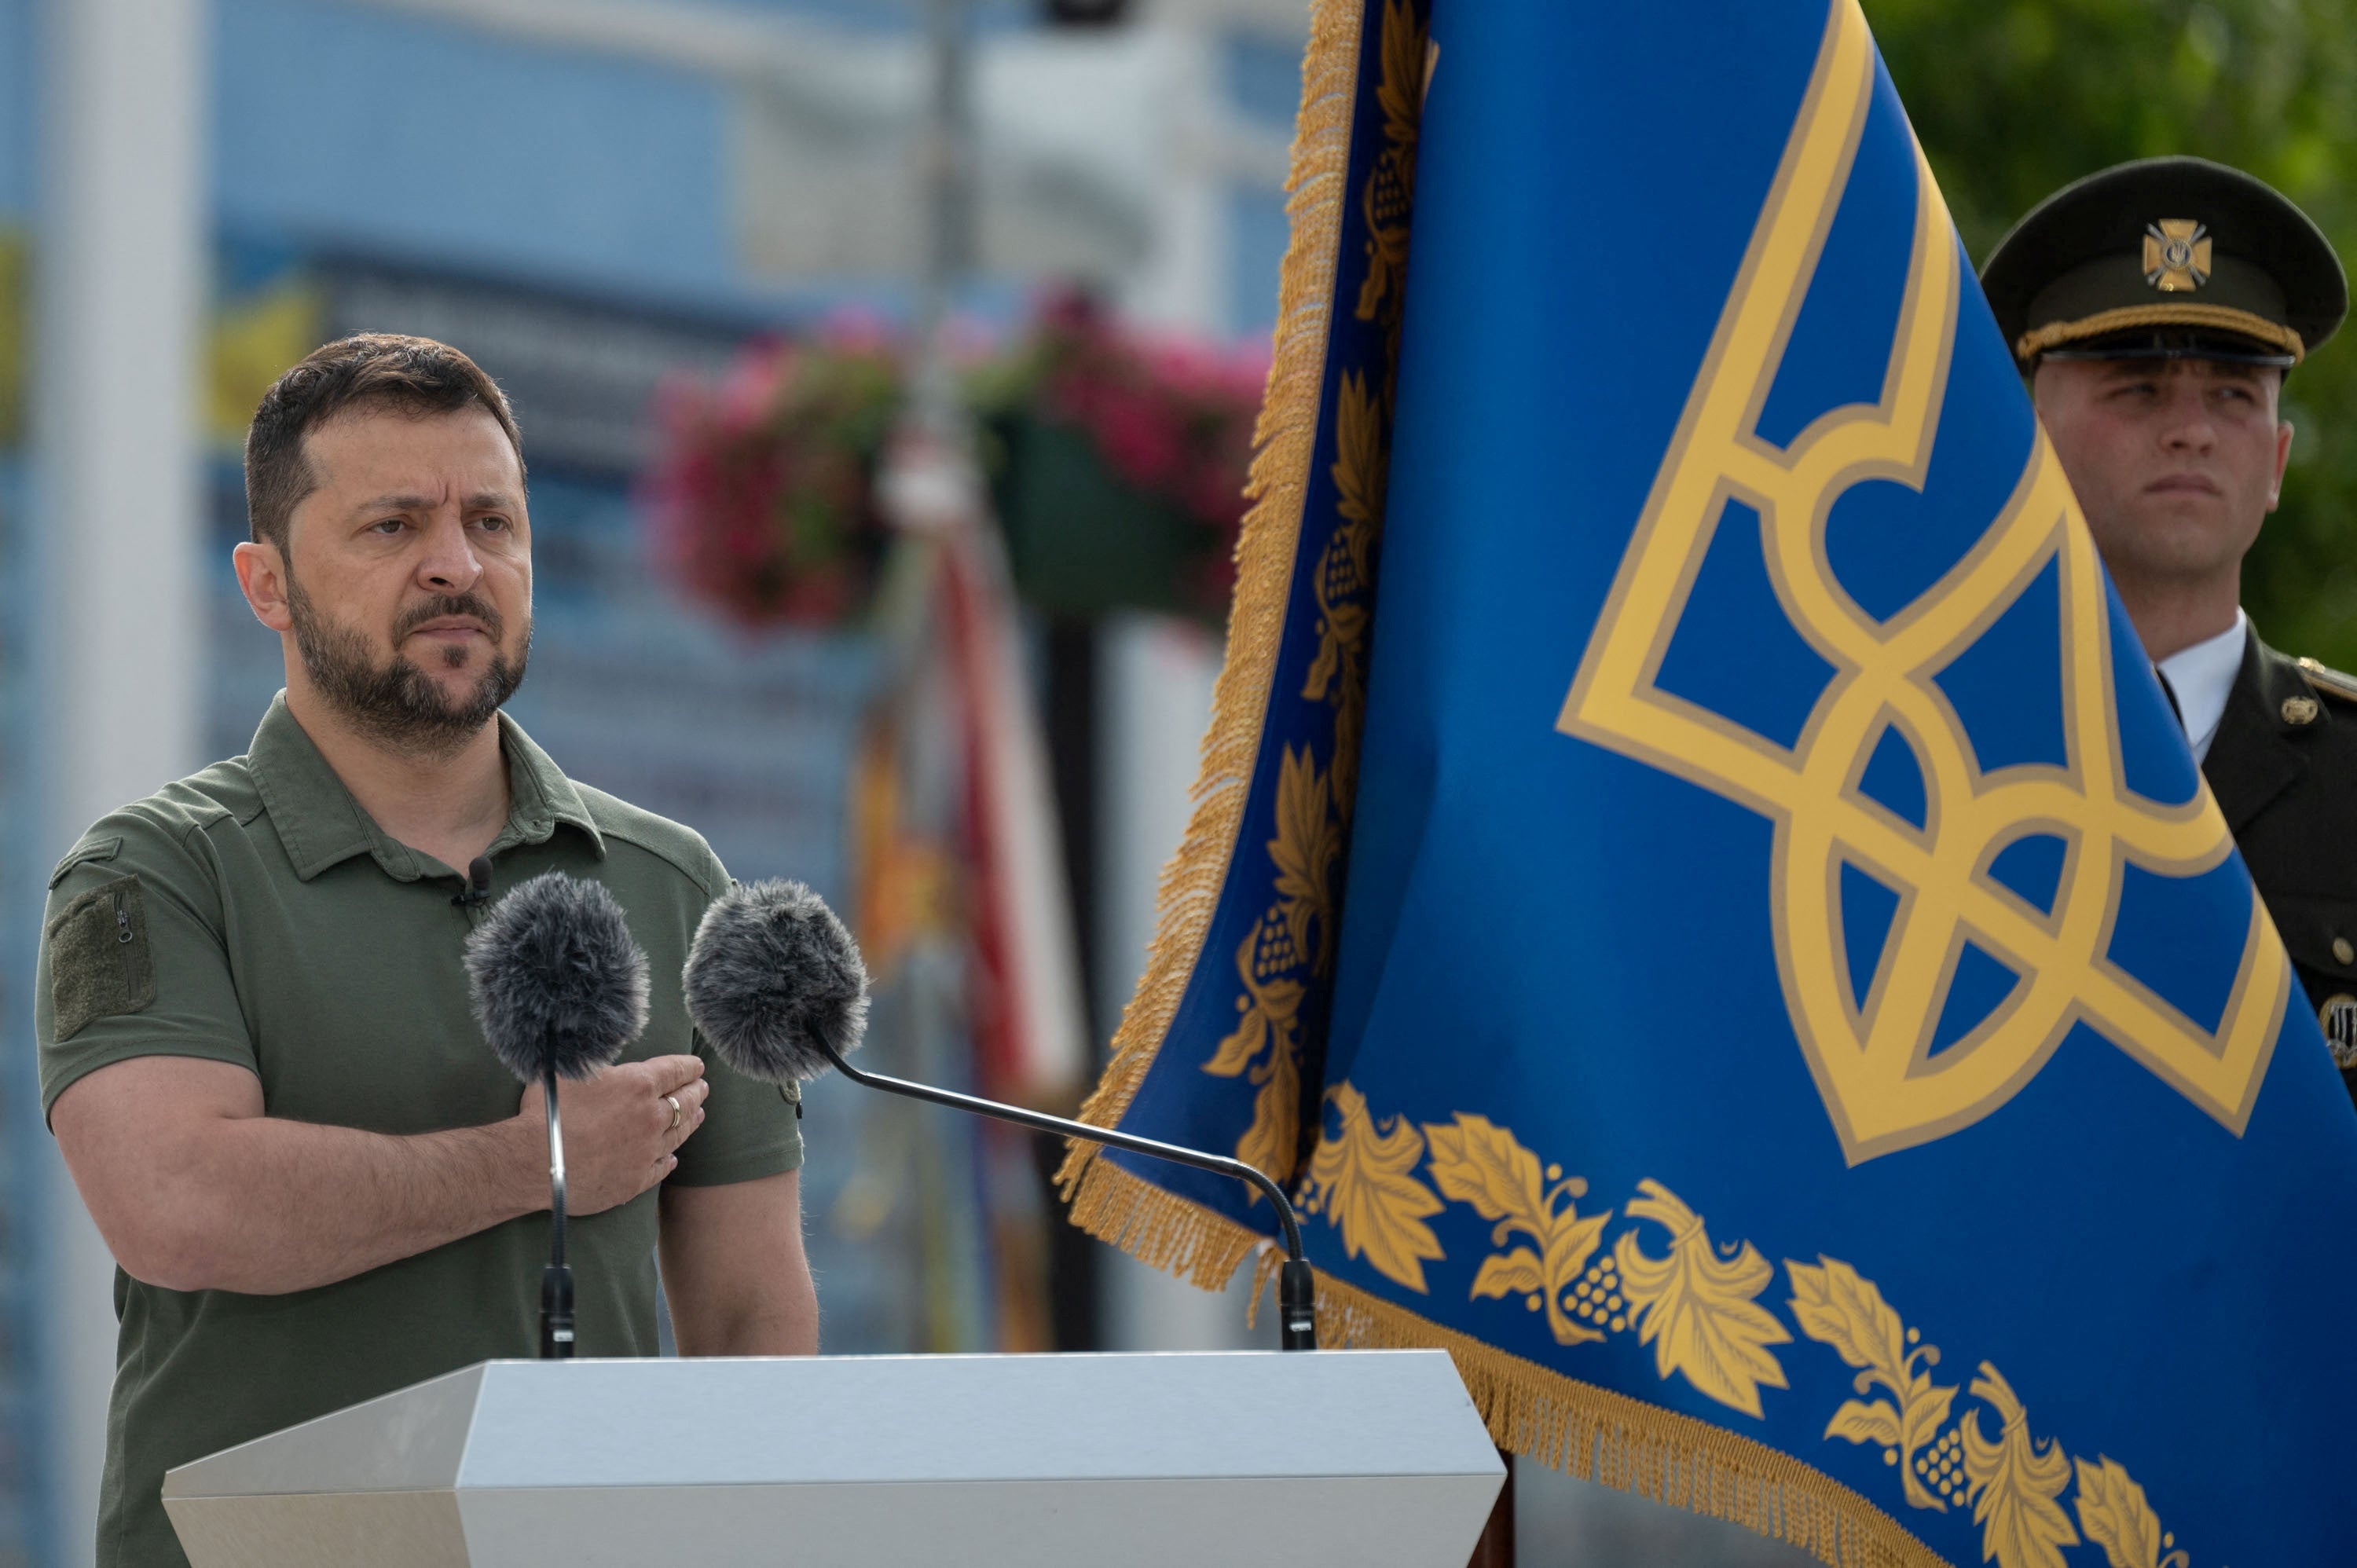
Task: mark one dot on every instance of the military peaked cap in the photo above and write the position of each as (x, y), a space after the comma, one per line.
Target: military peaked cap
(2172, 255)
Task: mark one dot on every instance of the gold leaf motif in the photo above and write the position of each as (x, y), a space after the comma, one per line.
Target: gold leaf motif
(1476, 1161)
(1391, 188)
(1272, 1142)
(1334, 638)
(1401, 91)
(2114, 1515)
(1265, 1045)
(1344, 584)
(1362, 1179)
(1306, 844)
(1360, 473)
(1508, 1274)
(1296, 933)
(1875, 1423)
(1834, 1306)
(2013, 1482)
(1697, 1308)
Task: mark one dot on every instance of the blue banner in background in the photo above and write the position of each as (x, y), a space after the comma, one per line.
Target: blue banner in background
(1793, 997)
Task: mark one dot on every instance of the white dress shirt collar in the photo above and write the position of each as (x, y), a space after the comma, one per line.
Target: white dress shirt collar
(2202, 677)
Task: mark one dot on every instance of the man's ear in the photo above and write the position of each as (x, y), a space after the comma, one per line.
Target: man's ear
(262, 577)
(2283, 456)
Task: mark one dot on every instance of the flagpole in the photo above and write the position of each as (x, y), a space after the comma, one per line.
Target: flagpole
(934, 406)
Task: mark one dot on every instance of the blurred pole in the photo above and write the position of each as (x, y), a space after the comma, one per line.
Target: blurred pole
(120, 271)
(1187, 280)
(938, 410)
(1075, 750)
(938, 436)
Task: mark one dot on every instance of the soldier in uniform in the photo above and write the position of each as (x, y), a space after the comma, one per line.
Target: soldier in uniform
(2156, 309)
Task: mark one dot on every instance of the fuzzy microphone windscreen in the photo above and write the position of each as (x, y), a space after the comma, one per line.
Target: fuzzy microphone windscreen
(557, 982)
(771, 974)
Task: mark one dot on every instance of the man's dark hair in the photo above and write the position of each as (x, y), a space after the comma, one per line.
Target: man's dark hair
(372, 371)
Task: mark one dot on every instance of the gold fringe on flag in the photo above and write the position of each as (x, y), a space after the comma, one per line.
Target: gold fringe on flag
(1626, 1443)
(1106, 1201)
(1159, 1230)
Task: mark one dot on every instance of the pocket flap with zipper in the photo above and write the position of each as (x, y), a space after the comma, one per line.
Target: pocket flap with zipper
(99, 965)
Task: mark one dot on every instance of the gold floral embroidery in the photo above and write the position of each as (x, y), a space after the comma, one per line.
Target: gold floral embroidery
(1270, 1029)
(1479, 1163)
(1296, 935)
(1345, 580)
(2114, 1515)
(2013, 1483)
(1391, 188)
(1363, 1182)
(1695, 1308)
(1834, 1306)
(1313, 810)
(1306, 844)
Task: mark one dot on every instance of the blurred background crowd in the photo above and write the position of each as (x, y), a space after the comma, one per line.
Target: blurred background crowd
(689, 236)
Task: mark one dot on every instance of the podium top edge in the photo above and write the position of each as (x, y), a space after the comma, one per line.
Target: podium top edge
(754, 1421)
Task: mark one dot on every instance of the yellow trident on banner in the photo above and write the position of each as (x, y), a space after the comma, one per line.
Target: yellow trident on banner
(1874, 1066)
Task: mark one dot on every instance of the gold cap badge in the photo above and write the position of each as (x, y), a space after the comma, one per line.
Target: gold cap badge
(2300, 710)
(2176, 255)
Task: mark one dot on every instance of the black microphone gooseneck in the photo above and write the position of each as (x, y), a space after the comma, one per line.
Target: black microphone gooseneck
(561, 990)
(1297, 1287)
(556, 1280)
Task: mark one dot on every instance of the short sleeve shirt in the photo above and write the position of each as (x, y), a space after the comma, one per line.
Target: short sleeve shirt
(254, 914)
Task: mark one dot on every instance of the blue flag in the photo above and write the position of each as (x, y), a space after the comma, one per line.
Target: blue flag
(1696, 888)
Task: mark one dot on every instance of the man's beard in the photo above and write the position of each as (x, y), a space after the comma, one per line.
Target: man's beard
(396, 703)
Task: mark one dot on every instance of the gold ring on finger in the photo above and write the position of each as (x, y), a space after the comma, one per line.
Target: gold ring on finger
(673, 1101)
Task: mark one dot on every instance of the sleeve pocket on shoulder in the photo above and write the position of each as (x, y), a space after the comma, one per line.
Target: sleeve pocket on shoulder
(100, 964)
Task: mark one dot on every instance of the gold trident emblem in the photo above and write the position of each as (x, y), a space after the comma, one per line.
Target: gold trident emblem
(1882, 1086)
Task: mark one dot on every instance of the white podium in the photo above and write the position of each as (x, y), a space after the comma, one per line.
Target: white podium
(1372, 1458)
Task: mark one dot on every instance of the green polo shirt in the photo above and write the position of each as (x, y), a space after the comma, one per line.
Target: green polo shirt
(254, 914)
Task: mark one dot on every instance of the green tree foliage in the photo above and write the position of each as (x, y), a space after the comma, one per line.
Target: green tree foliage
(2016, 98)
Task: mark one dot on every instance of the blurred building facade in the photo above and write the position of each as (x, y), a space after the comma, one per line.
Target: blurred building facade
(589, 196)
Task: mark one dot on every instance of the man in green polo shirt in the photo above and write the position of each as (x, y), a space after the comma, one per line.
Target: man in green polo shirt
(255, 1047)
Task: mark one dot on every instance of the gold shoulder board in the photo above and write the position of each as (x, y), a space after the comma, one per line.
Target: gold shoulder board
(2330, 683)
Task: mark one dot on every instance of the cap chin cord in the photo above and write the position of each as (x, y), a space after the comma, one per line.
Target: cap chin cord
(2287, 348)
